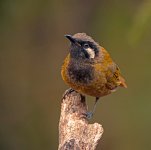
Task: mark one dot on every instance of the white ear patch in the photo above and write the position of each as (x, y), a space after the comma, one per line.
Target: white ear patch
(90, 52)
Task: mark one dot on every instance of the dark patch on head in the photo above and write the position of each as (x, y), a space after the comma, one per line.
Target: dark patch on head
(92, 45)
(78, 50)
(80, 72)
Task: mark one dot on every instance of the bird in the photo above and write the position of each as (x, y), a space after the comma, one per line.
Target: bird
(89, 69)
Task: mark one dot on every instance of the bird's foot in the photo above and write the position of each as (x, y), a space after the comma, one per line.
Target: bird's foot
(89, 115)
(68, 91)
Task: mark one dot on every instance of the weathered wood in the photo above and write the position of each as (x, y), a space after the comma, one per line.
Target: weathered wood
(74, 131)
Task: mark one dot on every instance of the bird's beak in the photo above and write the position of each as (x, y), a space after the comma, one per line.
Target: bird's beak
(72, 40)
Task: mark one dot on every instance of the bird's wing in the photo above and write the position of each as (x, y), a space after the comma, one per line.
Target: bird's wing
(114, 77)
(110, 70)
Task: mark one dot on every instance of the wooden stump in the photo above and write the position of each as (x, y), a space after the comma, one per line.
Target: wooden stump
(75, 133)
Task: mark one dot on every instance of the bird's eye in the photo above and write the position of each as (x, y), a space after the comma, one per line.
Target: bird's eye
(86, 45)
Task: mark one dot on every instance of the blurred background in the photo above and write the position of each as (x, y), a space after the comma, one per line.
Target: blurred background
(32, 51)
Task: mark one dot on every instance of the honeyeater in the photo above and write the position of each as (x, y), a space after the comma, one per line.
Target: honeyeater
(89, 69)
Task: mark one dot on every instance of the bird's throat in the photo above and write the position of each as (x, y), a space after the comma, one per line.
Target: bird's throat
(80, 72)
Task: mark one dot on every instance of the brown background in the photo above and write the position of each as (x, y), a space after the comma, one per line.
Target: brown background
(32, 50)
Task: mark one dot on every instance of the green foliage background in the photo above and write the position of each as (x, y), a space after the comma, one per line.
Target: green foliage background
(32, 51)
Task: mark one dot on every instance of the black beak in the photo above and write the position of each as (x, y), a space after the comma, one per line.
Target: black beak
(72, 40)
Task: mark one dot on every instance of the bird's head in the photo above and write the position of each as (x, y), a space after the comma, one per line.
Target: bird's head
(83, 46)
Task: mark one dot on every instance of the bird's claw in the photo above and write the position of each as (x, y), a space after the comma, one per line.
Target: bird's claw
(89, 115)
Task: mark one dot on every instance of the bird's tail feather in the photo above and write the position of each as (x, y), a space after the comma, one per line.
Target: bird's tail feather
(122, 82)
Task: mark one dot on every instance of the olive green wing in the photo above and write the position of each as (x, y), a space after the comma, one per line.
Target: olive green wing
(114, 77)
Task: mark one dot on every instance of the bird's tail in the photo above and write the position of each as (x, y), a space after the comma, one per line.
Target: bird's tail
(122, 82)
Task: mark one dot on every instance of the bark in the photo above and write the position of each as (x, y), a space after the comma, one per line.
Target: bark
(75, 133)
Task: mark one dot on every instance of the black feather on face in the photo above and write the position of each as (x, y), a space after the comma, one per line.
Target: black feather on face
(89, 44)
(77, 51)
(82, 46)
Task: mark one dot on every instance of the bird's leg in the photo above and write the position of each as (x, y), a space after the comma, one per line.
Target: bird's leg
(94, 107)
(70, 90)
(89, 115)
